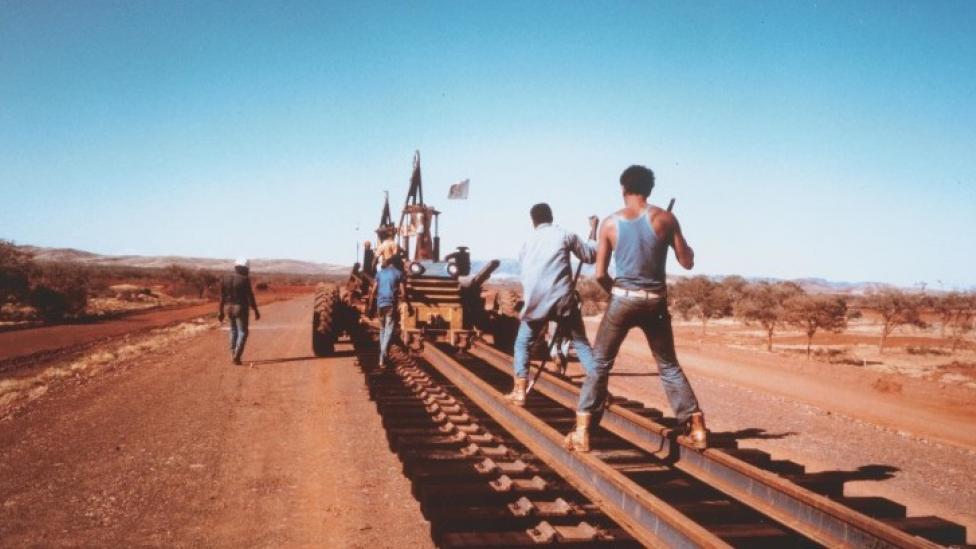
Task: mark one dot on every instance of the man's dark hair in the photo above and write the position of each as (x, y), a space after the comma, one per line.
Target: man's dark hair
(637, 180)
(541, 213)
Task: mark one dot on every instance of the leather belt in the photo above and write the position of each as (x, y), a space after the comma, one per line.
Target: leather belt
(643, 294)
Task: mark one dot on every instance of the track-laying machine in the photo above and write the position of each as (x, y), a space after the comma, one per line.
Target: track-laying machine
(446, 303)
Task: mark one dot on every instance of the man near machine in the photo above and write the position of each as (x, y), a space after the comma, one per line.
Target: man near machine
(548, 293)
(389, 288)
(638, 236)
(236, 301)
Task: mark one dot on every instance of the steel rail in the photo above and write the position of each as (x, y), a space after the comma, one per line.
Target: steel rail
(649, 519)
(812, 515)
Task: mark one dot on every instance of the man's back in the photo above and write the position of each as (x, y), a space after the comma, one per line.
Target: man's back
(546, 270)
(235, 288)
(388, 281)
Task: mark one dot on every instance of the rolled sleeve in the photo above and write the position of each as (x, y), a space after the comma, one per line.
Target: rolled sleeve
(585, 251)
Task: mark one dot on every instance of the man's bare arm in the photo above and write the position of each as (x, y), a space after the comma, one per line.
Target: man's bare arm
(603, 250)
(684, 253)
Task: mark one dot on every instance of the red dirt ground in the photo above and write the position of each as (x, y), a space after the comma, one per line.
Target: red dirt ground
(27, 342)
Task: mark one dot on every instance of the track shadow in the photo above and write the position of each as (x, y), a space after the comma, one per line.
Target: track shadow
(754, 433)
(265, 362)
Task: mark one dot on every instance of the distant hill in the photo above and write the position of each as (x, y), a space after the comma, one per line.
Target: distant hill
(509, 269)
(287, 266)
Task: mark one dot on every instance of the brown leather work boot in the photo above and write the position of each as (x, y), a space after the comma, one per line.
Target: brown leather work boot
(697, 432)
(517, 396)
(579, 439)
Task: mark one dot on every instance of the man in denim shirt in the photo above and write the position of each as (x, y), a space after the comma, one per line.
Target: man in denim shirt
(547, 284)
(389, 288)
(638, 236)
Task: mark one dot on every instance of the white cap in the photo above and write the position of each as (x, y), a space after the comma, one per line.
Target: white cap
(242, 262)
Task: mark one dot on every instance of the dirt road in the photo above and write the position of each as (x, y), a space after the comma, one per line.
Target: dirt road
(49, 339)
(183, 449)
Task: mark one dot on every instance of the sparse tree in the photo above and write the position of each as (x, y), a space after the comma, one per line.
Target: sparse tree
(961, 320)
(764, 304)
(946, 307)
(817, 312)
(896, 308)
(735, 288)
(16, 268)
(204, 280)
(702, 297)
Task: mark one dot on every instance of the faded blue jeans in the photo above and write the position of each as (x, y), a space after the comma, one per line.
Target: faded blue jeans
(573, 330)
(652, 317)
(389, 318)
(237, 318)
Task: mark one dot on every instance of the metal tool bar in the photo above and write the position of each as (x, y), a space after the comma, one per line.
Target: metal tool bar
(812, 515)
(649, 519)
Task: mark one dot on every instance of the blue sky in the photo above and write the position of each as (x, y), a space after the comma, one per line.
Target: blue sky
(829, 139)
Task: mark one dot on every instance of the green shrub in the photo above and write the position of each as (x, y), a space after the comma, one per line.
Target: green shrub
(60, 291)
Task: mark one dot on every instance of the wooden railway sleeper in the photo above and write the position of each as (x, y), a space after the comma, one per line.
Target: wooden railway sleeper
(489, 466)
(524, 507)
(506, 483)
(547, 533)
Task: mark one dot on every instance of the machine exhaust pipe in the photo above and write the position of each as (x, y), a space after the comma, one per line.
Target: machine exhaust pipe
(485, 273)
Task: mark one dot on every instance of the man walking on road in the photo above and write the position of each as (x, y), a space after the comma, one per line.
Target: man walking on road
(548, 293)
(638, 236)
(390, 287)
(236, 301)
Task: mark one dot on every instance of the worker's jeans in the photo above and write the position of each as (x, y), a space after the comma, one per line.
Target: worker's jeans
(652, 317)
(237, 317)
(389, 318)
(573, 329)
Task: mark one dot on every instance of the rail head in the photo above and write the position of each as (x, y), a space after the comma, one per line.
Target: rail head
(813, 515)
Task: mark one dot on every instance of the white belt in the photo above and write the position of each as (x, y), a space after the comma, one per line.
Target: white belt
(643, 294)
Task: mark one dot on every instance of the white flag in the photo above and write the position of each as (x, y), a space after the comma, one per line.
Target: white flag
(459, 191)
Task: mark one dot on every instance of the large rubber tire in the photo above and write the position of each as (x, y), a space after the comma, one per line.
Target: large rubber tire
(325, 317)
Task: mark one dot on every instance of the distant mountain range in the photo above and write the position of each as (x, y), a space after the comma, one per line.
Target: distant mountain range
(289, 266)
(509, 269)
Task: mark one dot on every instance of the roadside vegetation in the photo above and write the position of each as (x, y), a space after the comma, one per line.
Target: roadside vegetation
(35, 292)
(778, 307)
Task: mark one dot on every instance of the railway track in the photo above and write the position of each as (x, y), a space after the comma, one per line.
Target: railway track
(489, 474)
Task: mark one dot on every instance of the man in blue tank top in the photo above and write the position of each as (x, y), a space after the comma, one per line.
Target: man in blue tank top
(638, 237)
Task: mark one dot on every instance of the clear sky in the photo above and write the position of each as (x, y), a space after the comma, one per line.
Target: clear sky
(828, 139)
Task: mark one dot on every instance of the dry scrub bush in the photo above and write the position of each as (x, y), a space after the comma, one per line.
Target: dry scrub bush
(61, 291)
(811, 313)
(896, 308)
(592, 297)
(701, 297)
(765, 304)
(16, 268)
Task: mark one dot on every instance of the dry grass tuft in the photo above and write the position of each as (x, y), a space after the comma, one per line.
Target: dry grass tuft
(18, 392)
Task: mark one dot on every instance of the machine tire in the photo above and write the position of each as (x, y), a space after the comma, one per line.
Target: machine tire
(325, 329)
